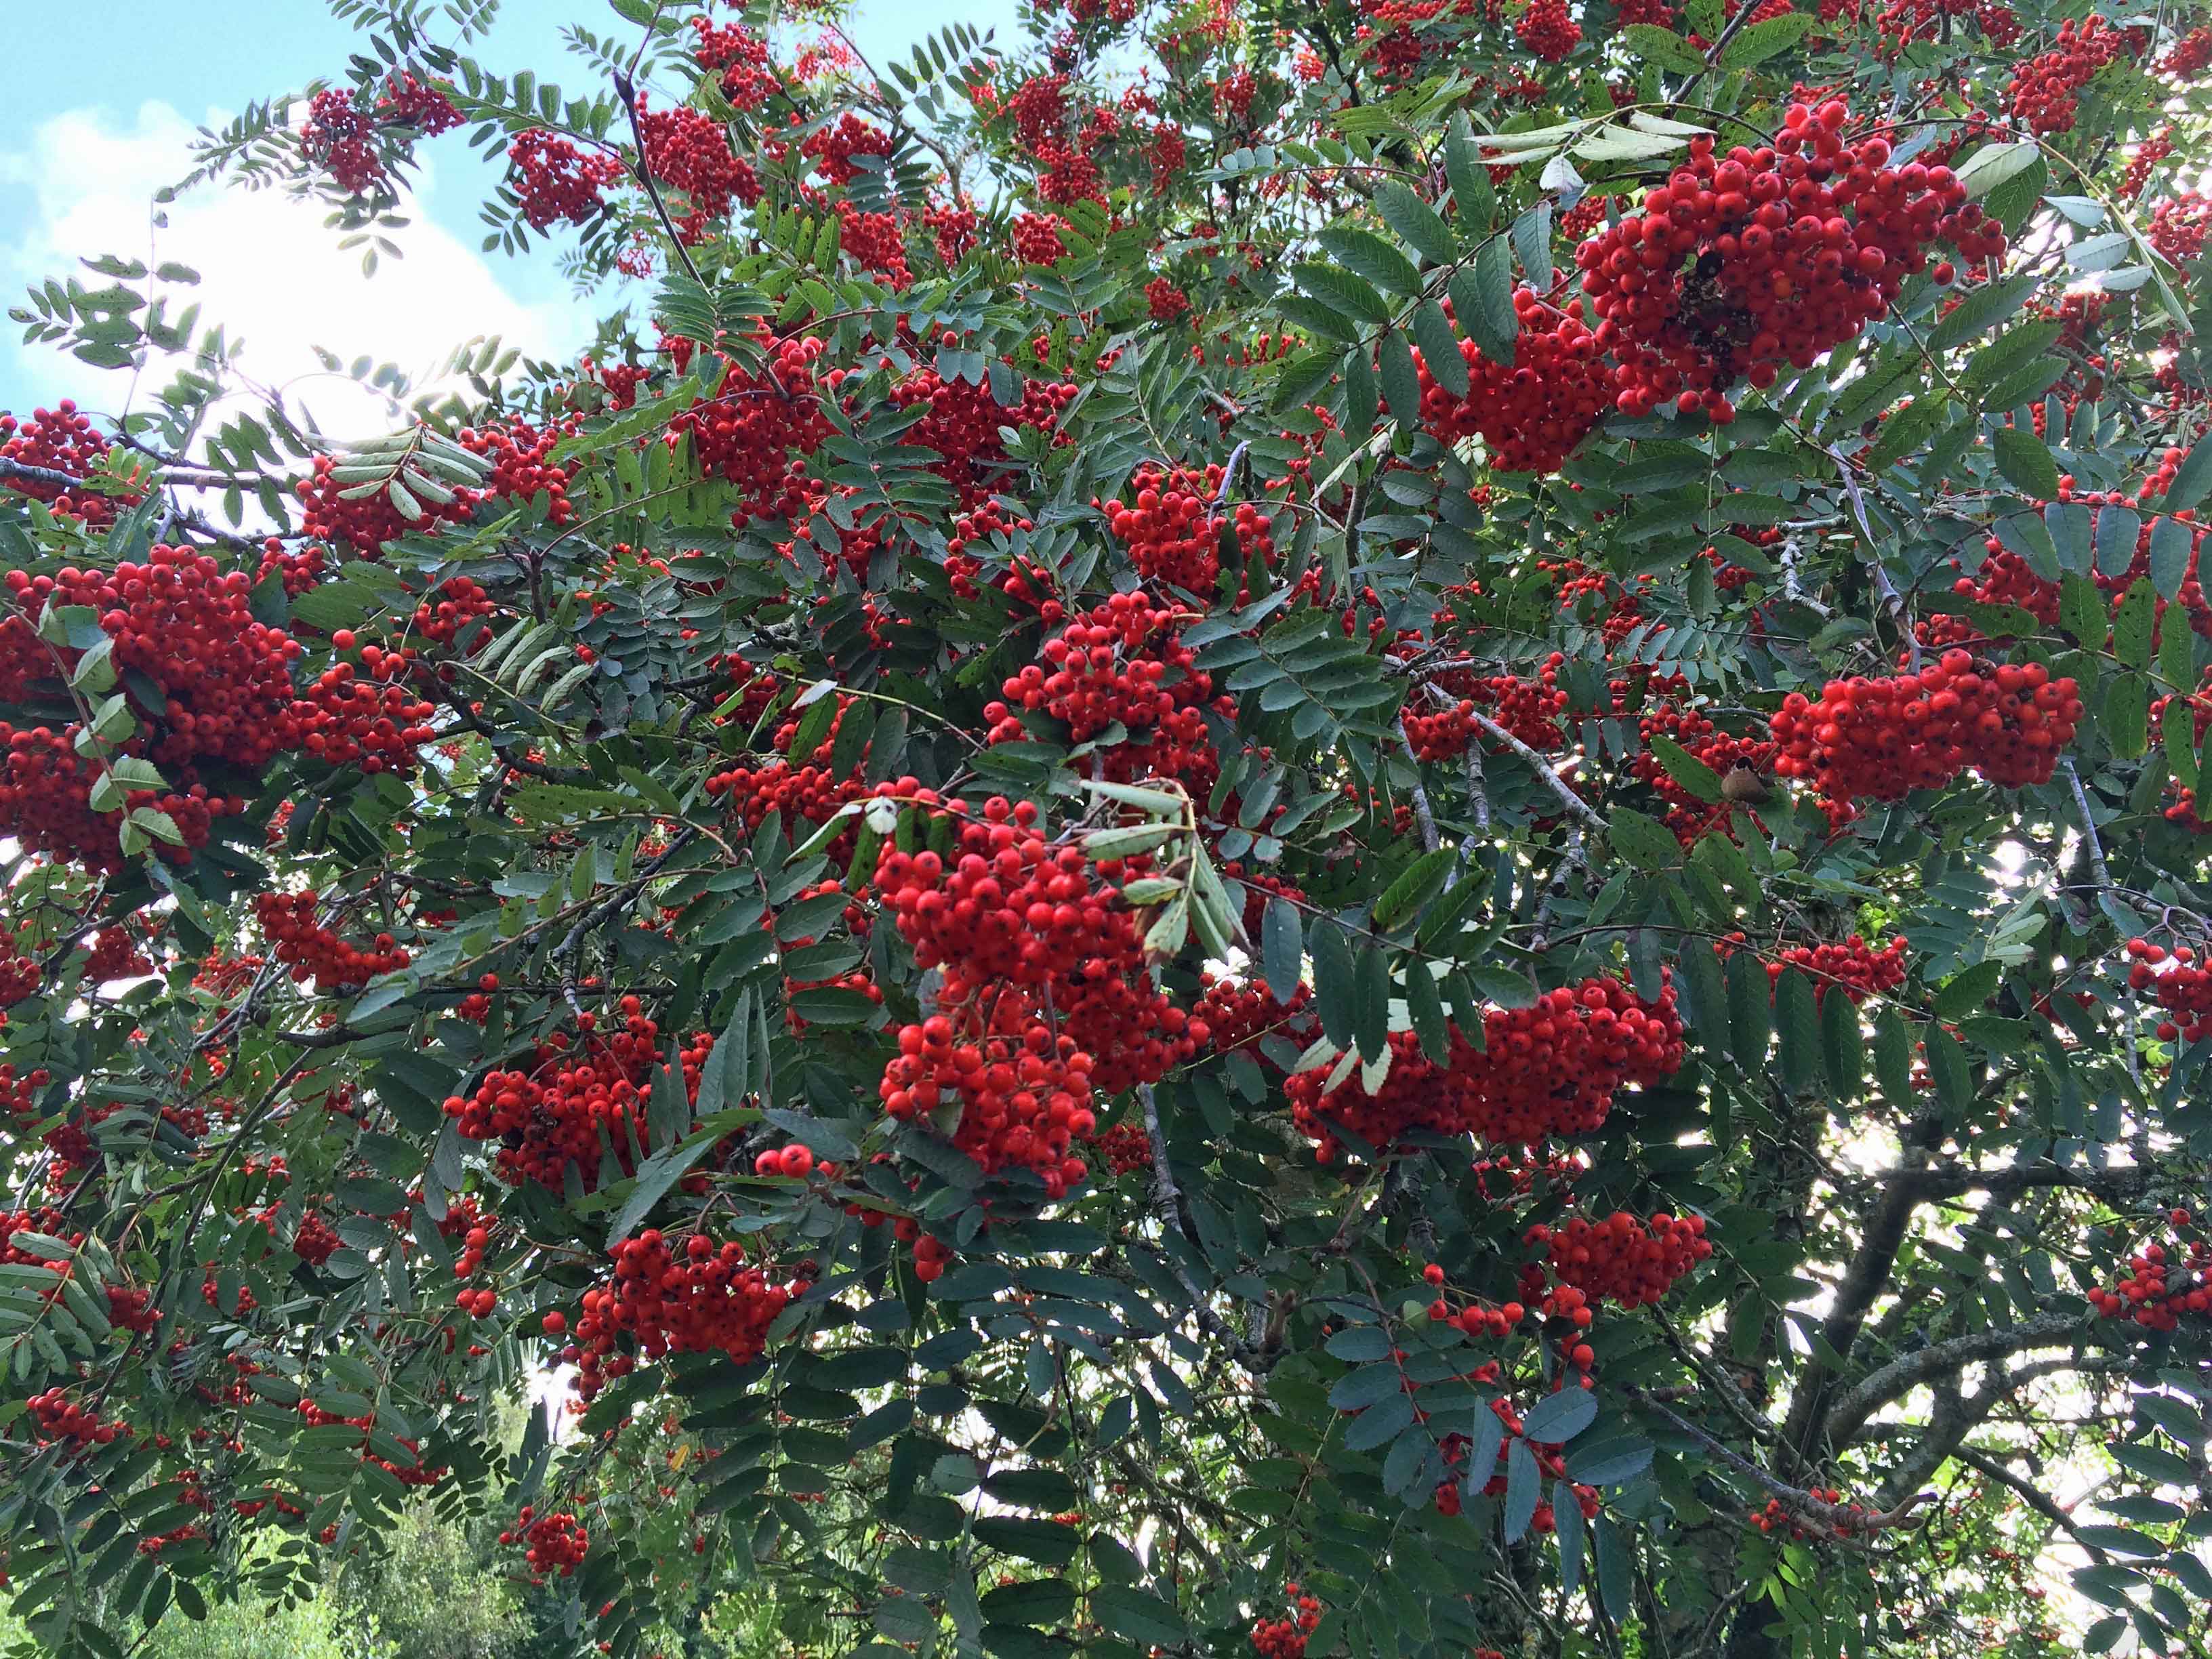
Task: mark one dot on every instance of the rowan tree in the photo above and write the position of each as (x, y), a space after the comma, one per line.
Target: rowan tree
(1322, 828)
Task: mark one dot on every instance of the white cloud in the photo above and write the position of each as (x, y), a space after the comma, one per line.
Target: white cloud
(270, 271)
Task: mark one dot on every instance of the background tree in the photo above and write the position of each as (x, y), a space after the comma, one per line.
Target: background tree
(1350, 829)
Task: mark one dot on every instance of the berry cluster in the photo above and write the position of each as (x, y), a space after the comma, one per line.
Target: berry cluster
(690, 150)
(1121, 661)
(2045, 90)
(554, 181)
(1854, 967)
(1550, 1069)
(554, 1543)
(315, 952)
(1622, 1257)
(1174, 528)
(1239, 1012)
(2180, 984)
(1285, 1638)
(2163, 1287)
(340, 136)
(60, 1419)
(177, 623)
(1882, 738)
(752, 431)
(559, 1111)
(1532, 414)
(59, 439)
(676, 1296)
(2178, 226)
(1043, 969)
(348, 721)
(740, 58)
(1738, 265)
(1548, 31)
(964, 422)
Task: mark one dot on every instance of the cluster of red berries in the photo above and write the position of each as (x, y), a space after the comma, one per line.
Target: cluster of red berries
(1775, 1518)
(1126, 1147)
(2045, 90)
(2179, 224)
(686, 1295)
(19, 973)
(1533, 415)
(1173, 530)
(477, 1303)
(556, 1544)
(59, 439)
(340, 136)
(1852, 966)
(522, 466)
(690, 150)
(1163, 302)
(740, 58)
(557, 1113)
(1550, 1069)
(1121, 661)
(1882, 738)
(553, 182)
(1738, 265)
(1036, 238)
(407, 102)
(2179, 982)
(315, 952)
(1551, 1463)
(350, 720)
(1623, 1257)
(754, 429)
(2164, 1286)
(366, 522)
(1285, 1638)
(832, 147)
(1239, 1012)
(1689, 816)
(187, 627)
(59, 1419)
(964, 422)
(1547, 30)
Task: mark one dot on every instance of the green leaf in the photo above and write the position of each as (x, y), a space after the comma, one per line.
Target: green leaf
(1664, 48)
(2026, 462)
(1401, 381)
(1687, 771)
(1561, 1415)
(2132, 623)
(1332, 285)
(1372, 1009)
(1965, 993)
(1138, 1615)
(1992, 164)
(1282, 949)
(1432, 332)
(1643, 842)
(2192, 479)
(1333, 982)
(1482, 298)
(1750, 1007)
(1798, 1023)
(1363, 251)
(1418, 883)
(1769, 38)
(1416, 222)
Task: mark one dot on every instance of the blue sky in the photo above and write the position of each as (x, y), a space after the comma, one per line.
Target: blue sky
(87, 129)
